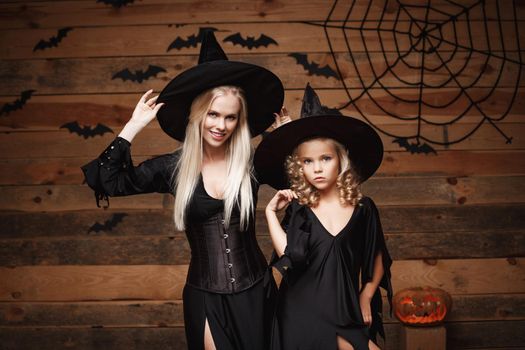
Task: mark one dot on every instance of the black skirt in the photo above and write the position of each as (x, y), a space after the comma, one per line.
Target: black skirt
(237, 321)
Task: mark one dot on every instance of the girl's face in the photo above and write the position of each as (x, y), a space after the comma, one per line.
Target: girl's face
(320, 163)
(221, 120)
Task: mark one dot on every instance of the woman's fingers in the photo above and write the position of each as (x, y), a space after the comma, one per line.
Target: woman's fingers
(152, 101)
(145, 96)
(157, 107)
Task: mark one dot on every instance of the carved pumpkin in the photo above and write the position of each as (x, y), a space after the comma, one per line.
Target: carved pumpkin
(422, 306)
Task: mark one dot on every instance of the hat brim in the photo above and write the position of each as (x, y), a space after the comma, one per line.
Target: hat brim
(364, 146)
(263, 90)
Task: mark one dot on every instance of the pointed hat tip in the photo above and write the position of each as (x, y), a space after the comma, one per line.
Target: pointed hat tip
(312, 104)
(210, 49)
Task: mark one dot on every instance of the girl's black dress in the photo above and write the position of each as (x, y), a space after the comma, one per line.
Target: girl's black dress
(319, 295)
(228, 280)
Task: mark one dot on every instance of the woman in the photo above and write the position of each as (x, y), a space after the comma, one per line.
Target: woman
(214, 107)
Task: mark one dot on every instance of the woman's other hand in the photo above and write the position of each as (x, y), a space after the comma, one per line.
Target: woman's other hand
(281, 118)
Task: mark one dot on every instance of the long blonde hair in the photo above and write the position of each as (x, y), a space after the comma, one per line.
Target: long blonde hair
(239, 152)
(347, 180)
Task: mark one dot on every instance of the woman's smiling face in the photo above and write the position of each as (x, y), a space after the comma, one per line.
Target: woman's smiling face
(221, 120)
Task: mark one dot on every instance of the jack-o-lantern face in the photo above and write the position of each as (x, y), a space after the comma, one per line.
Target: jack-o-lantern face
(422, 306)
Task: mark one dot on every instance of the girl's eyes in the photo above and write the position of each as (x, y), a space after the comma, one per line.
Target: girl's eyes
(307, 161)
(327, 158)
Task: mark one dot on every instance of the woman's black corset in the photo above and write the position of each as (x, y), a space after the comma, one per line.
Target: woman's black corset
(223, 260)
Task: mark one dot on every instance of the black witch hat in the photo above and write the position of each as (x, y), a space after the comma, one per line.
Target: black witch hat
(362, 142)
(263, 90)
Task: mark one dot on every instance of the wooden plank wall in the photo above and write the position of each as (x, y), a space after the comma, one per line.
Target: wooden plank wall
(453, 220)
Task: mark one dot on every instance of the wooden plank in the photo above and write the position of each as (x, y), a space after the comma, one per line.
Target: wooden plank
(43, 112)
(140, 313)
(472, 276)
(487, 307)
(428, 338)
(384, 190)
(133, 223)
(157, 282)
(52, 144)
(94, 75)
(70, 197)
(83, 13)
(114, 338)
(463, 335)
(175, 250)
(91, 338)
(136, 313)
(64, 283)
(474, 335)
(289, 37)
(65, 171)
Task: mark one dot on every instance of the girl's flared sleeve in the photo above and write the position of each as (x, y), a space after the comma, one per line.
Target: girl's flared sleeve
(113, 173)
(297, 227)
(375, 244)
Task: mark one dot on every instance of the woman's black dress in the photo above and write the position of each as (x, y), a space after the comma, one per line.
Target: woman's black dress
(319, 295)
(228, 279)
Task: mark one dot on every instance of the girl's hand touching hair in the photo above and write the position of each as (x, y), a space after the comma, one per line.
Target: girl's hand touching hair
(280, 200)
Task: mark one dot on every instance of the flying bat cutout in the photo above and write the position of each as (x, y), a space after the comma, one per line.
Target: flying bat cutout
(414, 147)
(139, 75)
(19, 103)
(53, 41)
(190, 41)
(86, 131)
(250, 42)
(313, 68)
(116, 3)
(108, 225)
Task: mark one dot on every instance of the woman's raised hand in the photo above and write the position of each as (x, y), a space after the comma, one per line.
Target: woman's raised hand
(281, 118)
(144, 113)
(146, 109)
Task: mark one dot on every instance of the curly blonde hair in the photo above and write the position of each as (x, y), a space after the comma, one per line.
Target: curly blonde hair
(347, 180)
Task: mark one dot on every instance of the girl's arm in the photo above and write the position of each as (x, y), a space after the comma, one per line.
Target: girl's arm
(277, 203)
(370, 288)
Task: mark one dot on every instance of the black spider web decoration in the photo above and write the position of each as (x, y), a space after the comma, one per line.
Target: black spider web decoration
(426, 41)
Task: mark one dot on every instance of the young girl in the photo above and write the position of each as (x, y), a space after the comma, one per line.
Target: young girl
(330, 237)
(214, 108)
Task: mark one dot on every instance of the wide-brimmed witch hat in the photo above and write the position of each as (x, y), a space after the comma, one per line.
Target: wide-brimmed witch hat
(364, 145)
(263, 90)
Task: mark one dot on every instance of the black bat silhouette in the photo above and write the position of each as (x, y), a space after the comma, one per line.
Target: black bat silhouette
(116, 3)
(18, 103)
(53, 41)
(86, 131)
(139, 76)
(414, 147)
(190, 41)
(313, 68)
(108, 225)
(250, 41)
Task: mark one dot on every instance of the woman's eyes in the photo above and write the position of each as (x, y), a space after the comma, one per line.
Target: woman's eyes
(231, 117)
(212, 114)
